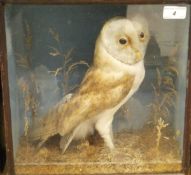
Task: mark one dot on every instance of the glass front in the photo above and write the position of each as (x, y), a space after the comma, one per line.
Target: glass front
(97, 88)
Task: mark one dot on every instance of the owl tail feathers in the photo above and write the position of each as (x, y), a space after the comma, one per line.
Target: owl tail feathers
(42, 130)
(66, 141)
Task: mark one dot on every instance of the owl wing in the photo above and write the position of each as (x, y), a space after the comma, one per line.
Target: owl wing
(97, 93)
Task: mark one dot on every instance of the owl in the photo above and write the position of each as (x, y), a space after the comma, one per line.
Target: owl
(115, 75)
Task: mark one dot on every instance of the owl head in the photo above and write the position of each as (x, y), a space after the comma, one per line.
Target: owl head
(125, 39)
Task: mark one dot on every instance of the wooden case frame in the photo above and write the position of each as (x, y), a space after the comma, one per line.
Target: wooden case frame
(5, 104)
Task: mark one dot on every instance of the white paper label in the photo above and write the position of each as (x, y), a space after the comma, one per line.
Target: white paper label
(174, 12)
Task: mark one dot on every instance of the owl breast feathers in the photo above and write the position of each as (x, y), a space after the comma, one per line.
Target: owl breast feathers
(115, 75)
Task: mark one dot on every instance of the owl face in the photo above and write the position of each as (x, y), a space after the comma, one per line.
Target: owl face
(125, 40)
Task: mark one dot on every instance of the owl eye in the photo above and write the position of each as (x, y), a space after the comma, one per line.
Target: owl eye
(142, 36)
(122, 41)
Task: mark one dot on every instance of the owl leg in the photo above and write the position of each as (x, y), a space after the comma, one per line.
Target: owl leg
(104, 127)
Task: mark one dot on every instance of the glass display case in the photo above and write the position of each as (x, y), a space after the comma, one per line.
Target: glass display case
(95, 87)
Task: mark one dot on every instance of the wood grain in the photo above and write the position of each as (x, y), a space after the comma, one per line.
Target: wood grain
(6, 103)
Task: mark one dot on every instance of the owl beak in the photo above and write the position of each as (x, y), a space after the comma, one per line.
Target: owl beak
(138, 56)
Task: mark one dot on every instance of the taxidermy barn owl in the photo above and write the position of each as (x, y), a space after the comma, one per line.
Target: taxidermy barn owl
(116, 74)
